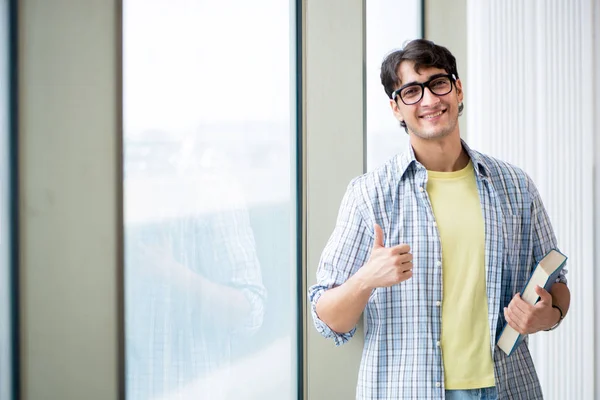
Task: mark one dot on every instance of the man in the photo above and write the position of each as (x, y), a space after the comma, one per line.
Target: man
(434, 247)
(194, 281)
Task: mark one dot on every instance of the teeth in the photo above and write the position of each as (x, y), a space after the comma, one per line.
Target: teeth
(433, 115)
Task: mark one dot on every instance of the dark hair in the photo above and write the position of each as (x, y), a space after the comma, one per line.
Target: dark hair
(424, 53)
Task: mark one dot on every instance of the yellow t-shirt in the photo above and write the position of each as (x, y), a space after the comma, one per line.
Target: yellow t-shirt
(465, 328)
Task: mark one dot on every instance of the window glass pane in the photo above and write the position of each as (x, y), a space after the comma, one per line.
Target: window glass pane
(390, 23)
(5, 287)
(210, 199)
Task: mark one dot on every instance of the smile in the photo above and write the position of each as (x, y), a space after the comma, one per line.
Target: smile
(435, 115)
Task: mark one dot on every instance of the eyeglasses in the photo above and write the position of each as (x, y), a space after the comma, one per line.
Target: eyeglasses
(412, 93)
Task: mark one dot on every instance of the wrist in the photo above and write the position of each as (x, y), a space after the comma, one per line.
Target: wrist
(559, 314)
(361, 281)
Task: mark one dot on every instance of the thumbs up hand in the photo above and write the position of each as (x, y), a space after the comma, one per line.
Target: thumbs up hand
(387, 266)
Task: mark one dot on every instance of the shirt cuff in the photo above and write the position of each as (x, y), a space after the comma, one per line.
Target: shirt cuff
(338, 338)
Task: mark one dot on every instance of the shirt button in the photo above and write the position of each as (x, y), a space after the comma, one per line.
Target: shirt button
(438, 263)
(437, 343)
(421, 189)
(437, 384)
(434, 223)
(438, 303)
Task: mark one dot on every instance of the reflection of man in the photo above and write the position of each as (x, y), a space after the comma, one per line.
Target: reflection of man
(434, 246)
(193, 283)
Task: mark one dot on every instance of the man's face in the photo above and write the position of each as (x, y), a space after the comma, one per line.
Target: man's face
(433, 116)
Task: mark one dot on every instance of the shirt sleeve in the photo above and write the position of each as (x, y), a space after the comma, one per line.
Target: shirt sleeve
(346, 251)
(544, 239)
(235, 254)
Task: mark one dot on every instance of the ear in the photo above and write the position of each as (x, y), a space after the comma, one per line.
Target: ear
(459, 90)
(396, 110)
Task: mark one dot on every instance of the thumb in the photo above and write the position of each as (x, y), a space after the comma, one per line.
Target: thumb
(545, 297)
(378, 236)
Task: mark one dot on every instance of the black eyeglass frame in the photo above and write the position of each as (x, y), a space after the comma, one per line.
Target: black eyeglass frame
(424, 85)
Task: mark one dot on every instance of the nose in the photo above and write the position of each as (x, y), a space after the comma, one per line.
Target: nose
(429, 99)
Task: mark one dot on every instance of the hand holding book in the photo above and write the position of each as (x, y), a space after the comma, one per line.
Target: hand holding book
(533, 310)
(526, 318)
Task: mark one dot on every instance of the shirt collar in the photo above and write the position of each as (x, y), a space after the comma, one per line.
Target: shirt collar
(406, 159)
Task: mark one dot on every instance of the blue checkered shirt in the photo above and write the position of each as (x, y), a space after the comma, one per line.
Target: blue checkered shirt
(403, 322)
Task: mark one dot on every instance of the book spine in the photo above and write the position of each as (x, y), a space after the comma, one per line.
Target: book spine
(552, 278)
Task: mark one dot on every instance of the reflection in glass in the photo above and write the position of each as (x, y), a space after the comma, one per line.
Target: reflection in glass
(209, 202)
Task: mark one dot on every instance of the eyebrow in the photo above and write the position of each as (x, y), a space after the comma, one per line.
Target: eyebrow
(416, 82)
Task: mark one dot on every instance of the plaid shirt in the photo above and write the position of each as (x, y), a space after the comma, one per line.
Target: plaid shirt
(174, 339)
(403, 322)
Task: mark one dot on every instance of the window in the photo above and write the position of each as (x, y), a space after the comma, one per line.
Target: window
(210, 199)
(5, 223)
(390, 23)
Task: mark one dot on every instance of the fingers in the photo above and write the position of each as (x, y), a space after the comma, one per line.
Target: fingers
(519, 305)
(378, 236)
(399, 259)
(400, 248)
(524, 317)
(403, 262)
(397, 256)
(405, 258)
(513, 314)
(401, 276)
(516, 313)
(406, 264)
(512, 321)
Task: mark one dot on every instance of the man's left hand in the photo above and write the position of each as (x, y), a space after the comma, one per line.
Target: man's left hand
(527, 319)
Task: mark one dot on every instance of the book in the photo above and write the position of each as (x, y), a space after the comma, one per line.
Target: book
(544, 275)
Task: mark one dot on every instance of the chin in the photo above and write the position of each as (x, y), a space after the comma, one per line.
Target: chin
(430, 134)
(433, 132)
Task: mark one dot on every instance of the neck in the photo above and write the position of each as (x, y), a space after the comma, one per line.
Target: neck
(444, 154)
